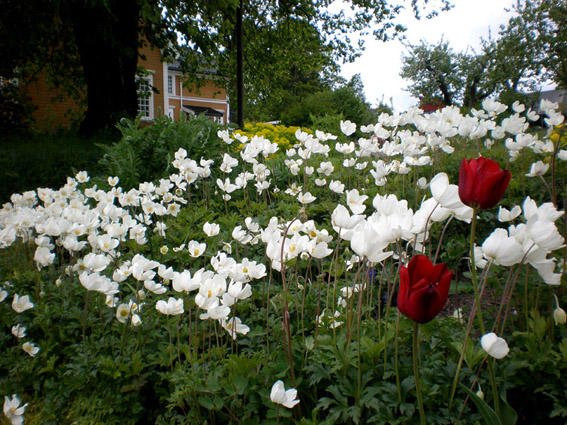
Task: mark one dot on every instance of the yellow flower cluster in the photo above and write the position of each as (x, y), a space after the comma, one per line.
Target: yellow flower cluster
(283, 135)
(559, 132)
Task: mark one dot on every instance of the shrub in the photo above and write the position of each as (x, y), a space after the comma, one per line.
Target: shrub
(144, 153)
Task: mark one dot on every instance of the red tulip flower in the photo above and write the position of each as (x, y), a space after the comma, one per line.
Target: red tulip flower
(424, 289)
(482, 183)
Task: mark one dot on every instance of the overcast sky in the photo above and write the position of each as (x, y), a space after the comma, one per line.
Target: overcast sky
(462, 26)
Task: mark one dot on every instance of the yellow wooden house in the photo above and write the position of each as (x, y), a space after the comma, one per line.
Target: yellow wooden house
(170, 95)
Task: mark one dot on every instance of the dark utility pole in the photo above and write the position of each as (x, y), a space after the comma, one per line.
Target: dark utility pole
(239, 68)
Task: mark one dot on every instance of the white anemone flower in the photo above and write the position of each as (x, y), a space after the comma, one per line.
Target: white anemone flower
(355, 201)
(183, 282)
(538, 168)
(505, 215)
(19, 331)
(340, 218)
(234, 326)
(336, 186)
(156, 288)
(82, 177)
(305, 198)
(446, 194)
(123, 311)
(196, 249)
(545, 234)
(422, 183)
(13, 411)
(502, 249)
(211, 229)
(96, 262)
(236, 291)
(43, 257)
(348, 127)
(280, 395)
(98, 283)
(21, 304)
(30, 348)
(494, 345)
(172, 307)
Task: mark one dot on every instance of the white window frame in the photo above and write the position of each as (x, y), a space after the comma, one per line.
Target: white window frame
(147, 110)
(171, 85)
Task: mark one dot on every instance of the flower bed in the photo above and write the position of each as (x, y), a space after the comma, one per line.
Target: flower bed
(268, 288)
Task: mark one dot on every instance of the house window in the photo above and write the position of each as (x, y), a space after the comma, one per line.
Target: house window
(170, 86)
(145, 98)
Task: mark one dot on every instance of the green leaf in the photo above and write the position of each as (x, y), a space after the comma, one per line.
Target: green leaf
(508, 415)
(206, 402)
(484, 409)
(240, 383)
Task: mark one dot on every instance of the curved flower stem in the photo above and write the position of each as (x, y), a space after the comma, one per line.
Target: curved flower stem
(416, 372)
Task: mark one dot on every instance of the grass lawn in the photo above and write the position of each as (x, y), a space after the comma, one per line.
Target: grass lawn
(29, 160)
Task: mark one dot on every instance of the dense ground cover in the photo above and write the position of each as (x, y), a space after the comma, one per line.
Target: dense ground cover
(246, 262)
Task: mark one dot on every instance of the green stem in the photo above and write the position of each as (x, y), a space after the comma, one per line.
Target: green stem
(473, 274)
(494, 387)
(396, 359)
(479, 313)
(416, 372)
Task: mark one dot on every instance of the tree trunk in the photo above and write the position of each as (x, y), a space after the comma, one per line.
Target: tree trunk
(107, 41)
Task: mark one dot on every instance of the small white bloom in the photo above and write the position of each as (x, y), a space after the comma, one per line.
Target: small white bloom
(538, 168)
(305, 198)
(21, 304)
(113, 181)
(336, 186)
(211, 229)
(348, 127)
(234, 326)
(504, 215)
(171, 307)
(30, 348)
(19, 331)
(196, 249)
(494, 345)
(422, 183)
(82, 177)
(279, 395)
(13, 411)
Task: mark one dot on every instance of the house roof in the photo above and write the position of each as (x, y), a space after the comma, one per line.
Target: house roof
(558, 96)
(198, 110)
(176, 66)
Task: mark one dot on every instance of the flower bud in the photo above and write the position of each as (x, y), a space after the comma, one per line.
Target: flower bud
(479, 393)
(559, 316)
(482, 183)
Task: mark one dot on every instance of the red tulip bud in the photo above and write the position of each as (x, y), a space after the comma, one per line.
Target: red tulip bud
(424, 289)
(482, 183)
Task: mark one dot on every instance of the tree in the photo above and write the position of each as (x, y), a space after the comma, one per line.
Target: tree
(505, 67)
(434, 72)
(345, 100)
(538, 36)
(94, 43)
